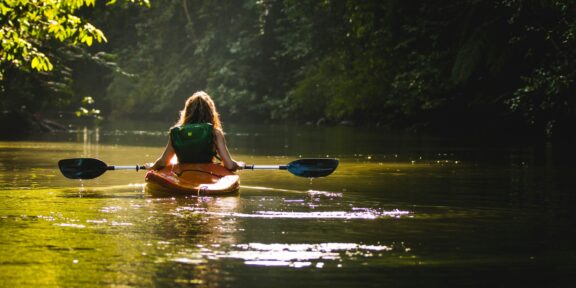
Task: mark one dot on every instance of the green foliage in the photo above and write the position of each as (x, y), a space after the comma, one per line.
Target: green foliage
(544, 97)
(449, 65)
(181, 49)
(40, 42)
(87, 110)
(366, 75)
(393, 63)
(27, 24)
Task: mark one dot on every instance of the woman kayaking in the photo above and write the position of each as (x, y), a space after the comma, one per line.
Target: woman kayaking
(197, 137)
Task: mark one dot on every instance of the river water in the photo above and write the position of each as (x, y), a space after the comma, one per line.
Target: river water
(400, 211)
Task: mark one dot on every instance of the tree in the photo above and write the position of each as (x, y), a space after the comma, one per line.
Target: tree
(26, 25)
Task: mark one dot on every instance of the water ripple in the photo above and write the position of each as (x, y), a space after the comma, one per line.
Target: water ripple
(309, 192)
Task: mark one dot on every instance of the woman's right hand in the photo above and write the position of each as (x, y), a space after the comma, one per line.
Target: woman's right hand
(153, 166)
(239, 165)
(148, 166)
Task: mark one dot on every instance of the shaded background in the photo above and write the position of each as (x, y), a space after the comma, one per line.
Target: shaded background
(503, 67)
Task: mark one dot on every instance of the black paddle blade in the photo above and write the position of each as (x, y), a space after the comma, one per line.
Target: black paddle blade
(82, 168)
(313, 167)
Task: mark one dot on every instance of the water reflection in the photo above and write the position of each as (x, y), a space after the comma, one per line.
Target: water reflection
(90, 141)
(184, 235)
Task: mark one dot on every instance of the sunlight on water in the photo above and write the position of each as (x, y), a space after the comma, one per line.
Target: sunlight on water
(299, 255)
(317, 215)
(289, 255)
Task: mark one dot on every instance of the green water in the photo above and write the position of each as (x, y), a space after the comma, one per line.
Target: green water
(400, 211)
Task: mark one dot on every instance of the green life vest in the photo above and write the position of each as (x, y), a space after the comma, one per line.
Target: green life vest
(193, 143)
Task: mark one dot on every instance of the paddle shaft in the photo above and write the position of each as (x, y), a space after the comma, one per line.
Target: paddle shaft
(250, 167)
(265, 167)
(135, 167)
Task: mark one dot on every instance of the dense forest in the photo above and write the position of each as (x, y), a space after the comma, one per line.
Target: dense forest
(451, 67)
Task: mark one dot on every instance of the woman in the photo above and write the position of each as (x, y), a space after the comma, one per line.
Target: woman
(197, 137)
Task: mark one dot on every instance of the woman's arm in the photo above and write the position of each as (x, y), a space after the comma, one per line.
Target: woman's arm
(166, 156)
(222, 150)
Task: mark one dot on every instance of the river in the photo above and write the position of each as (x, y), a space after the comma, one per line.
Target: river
(400, 211)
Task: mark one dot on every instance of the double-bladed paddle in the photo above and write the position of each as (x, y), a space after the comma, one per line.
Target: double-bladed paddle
(90, 168)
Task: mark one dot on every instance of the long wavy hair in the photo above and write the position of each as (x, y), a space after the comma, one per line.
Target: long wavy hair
(200, 108)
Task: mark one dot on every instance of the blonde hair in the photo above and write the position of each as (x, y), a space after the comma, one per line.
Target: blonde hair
(200, 108)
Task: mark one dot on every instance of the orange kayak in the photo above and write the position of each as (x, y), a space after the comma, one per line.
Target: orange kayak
(205, 179)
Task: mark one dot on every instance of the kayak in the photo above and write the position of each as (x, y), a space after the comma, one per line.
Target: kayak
(202, 179)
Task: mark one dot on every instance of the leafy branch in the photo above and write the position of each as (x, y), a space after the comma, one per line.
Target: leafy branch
(26, 24)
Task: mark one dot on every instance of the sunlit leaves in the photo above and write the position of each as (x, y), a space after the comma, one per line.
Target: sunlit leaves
(86, 110)
(27, 24)
(41, 63)
(139, 2)
(545, 95)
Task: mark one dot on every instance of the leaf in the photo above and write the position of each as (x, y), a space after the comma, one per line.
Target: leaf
(49, 65)
(35, 62)
(88, 40)
(4, 10)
